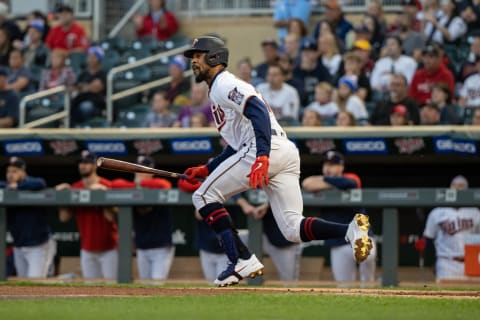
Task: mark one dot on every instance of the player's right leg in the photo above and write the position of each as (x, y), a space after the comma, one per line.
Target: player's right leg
(20, 262)
(90, 264)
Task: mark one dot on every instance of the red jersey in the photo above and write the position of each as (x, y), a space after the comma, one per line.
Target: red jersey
(74, 38)
(422, 82)
(96, 232)
(162, 30)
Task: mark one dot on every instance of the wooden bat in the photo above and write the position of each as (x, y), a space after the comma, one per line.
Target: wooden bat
(118, 165)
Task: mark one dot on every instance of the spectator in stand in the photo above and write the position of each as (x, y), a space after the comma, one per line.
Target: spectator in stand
(159, 23)
(309, 72)
(9, 102)
(376, 37)
(19, 76)
(345, 119)
(178, 89)
(297, 27)
(5, 46)
(431, 8)
(470, 12)
(36, 53)
(311, 118)
(399, 116)
(398, 96)
(245, 72)
(58, 73)
(363, 49)
(413, 41)
(287, 66)
(96, 225)
(153, 226)
(442, 97)
(91, 86)
(286, 10)
(334, 16)
(346, 99)
(393, 62)
(446, 28)
(270, 53)
(12, 28)
(375, 9)
(470, 92)
(160, 115)
(468, 68)
(323, 104)
(200, 104)
(282, 98)
(352, 66)
(329, 53)
(430, 115)
(34, 247)
(292, 46)
(476, 117)
(68, 34)
(199, 120)
(35, 17)
(433, 71)
(411, 8)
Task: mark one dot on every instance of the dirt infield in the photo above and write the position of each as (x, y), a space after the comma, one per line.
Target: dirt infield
(17, 291)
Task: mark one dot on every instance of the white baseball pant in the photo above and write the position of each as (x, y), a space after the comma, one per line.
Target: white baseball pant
(212, 264)
(446, 268)
(34, 261)
(102, 264)
(155, 263)
(344, 266)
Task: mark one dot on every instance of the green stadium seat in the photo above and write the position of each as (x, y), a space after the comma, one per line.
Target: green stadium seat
(77, 60)
(111, 59)
(96, 122)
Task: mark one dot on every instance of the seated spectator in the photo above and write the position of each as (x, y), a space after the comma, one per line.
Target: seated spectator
(282, 98)
(297, 27)
(91, 85)
(470, 92)
(58, 73)
(287, 66)
(178, 89)
(160, 115)
(67, 35)
(375, 9)
(200, 104)
(468, 67)
(363, 49)
(335, 17)
(270, 52)
(447, 27)
(5, 46)
(430, 115)
(393, 62)
(411, 8)
(442, 97)
(399, 116)
(398, 96)
(285, 10)
(412, 40)
(9, 103)
(311, 118)
(470, 13)
(476, 117)
(329, 53)
(433, 71)
(291, 47)
(198, 120)
(309, 72)
(352, 66)
(245, 72)
(9, 25)
(376, 37)
(36, 53)
(19, 75)
(345, 119)
(158, 23)
(347, 99)
(323, 104)
(35, 17)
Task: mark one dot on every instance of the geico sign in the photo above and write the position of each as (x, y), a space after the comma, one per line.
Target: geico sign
(23, 147)
(444, 144)
(107, 147)
(366, 145)
(191, 145)
(464, 147)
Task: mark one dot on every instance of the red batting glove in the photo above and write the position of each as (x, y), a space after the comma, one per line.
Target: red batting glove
(259, 173)
(196, 172)
(187, 186)
(420, 244)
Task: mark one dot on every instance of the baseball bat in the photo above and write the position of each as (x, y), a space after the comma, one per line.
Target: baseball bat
(118, 165)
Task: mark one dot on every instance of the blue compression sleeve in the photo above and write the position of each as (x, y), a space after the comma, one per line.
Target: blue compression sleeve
(257, 112)
(227, 152)
(341, 183)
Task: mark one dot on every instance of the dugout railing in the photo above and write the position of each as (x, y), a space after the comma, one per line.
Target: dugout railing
(387, 199)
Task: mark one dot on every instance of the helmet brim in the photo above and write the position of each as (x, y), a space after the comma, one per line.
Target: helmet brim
(190, 52)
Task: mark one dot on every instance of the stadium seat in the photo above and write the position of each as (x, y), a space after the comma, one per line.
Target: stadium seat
(132, 56)
(111, 59)
(115, 43)
(77, 60)
(96, 122)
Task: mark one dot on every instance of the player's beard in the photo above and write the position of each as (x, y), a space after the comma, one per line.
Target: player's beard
(202, 76)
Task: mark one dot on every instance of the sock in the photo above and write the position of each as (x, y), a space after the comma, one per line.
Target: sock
(243, 251)
(319, 229)
(227, 241)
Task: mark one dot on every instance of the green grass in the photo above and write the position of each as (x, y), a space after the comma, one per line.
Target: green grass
(249, 306)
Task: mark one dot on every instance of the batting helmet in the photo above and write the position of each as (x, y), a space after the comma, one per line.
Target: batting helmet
(216, 52)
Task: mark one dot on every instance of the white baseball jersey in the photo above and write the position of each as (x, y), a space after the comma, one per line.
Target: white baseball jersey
(385, 67)
(471, 90)
(285, 103)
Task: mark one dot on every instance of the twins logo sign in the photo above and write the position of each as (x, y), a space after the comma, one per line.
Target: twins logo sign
(236, 96)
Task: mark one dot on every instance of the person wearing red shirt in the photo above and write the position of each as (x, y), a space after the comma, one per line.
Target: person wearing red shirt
(159, 23)
(433, 72)
(67, 35)
(96, 225)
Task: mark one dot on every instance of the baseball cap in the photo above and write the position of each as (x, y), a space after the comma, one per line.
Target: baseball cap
(431, 49)
(399, 109)
(350, 82)
(270, 42)
(332, 4)
(4, 71)
(309, 44)
(97, 51)
(334, 157)
(362, 45)
(145, 161)
(460, 180)
(87, 157)
(37, 24)
(179, 61)
(17, 162)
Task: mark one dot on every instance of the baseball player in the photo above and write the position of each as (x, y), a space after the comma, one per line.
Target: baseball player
(447, 227)
(258, 155)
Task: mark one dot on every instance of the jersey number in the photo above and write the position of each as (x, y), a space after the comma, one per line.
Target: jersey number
(218, 116)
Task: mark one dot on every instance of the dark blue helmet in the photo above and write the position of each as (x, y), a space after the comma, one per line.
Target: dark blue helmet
(216, 52)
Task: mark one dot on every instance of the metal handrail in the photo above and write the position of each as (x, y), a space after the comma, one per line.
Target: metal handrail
(115, 70)
(124, 20)
(65, 114)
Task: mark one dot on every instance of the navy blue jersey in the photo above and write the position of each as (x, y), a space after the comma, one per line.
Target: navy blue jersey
(153, 227)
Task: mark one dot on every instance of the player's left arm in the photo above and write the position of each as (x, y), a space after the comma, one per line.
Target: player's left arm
(319, 183)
